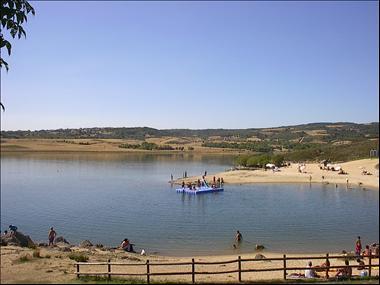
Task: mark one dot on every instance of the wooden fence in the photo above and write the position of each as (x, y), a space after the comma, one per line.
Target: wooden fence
(108, 265)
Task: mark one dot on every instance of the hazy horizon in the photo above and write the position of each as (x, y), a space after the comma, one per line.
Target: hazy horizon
(194, 65)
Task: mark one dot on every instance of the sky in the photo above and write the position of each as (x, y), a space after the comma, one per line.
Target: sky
(193, 65)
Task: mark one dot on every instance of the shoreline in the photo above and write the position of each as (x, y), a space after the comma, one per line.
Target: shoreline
(54, 264)
(313, 174)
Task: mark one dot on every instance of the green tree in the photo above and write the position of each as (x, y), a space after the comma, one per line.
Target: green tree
(13, 15)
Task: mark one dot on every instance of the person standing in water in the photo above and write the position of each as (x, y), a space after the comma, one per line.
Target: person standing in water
(238, 237)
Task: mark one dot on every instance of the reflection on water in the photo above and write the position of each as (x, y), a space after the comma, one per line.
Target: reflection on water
(106, 197)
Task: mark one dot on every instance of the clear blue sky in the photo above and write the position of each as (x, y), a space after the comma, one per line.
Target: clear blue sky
(193, 65)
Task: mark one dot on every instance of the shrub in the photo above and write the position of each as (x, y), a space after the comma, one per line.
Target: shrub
(36, 253)
(24, 258)
(277, 160)
(242, 160)
(78, 257)
(32, 246)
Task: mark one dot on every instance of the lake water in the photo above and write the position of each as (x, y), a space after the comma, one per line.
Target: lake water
(108, 197)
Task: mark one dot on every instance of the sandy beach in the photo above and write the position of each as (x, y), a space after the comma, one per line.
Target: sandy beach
(290, 174)
(54, 266)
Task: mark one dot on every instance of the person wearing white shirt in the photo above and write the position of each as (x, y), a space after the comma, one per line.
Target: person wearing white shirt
(309, 272)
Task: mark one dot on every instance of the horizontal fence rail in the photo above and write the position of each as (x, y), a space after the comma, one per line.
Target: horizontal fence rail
(239, 261)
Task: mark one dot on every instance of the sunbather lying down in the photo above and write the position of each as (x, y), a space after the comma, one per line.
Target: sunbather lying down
(296, 275)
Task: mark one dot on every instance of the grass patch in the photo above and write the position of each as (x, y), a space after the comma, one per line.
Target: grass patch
(105, 280)
(13, 147)
(37, 253)
(24, 258)
(32, 246)
(78, 257)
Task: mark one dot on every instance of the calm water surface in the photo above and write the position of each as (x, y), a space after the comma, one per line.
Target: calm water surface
(107, 197)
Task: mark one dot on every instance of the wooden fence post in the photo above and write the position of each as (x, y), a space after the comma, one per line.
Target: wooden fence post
(77, 270)
(370, 264)
(284, 266)
(109, 269)
(192, 271)
(239, 267)
(147, 272)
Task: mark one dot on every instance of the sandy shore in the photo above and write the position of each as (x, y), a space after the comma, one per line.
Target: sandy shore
(54, 265)
(290, 174)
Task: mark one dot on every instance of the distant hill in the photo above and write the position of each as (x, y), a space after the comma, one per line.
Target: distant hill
(321, 132)
(339, 141)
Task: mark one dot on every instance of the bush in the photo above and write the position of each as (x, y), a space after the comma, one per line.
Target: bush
(278, 160)
(242, 160)
(37, 253)
(24, 258)
(78, 257)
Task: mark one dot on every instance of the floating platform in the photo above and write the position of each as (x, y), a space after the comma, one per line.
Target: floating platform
(200, 190)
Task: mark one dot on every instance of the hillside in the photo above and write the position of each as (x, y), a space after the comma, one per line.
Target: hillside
(339, 141)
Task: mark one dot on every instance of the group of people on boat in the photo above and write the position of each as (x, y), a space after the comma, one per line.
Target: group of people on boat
(216, 183)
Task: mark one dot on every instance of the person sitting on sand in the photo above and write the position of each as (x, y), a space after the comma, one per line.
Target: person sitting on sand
(375, 249)
(361, 264)
(367, 251)
(13, 229)
(310, 272)
(127, 246)
(326, 265)
(344, 272)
